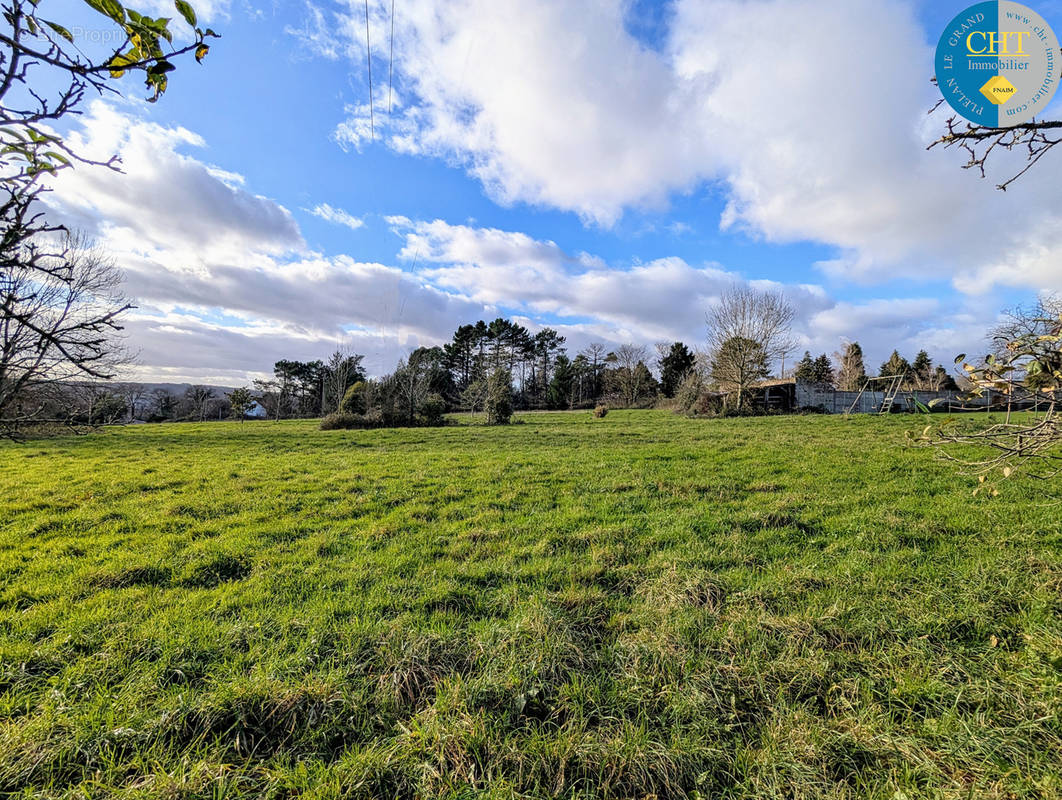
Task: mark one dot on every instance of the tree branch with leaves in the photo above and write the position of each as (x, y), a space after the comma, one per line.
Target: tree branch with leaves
(1025, 368)
(37, 49)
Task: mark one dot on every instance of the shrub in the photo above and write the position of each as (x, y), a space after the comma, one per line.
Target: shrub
(709, 405)
(432, 410)
(689, 392)
(374, 418)
(354, 399)
(600, 411)
(341, 420)
(499, 402)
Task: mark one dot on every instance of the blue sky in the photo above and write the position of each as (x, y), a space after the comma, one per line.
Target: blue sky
(562, 166)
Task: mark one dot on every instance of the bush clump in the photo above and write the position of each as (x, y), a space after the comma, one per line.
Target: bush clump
(689, 392)
(432, 410)
(343, 420)
(355, 400)
(499, 402)
(600, 411)
(431, 414)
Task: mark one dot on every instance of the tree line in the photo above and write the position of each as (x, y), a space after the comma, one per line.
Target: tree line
(850, 374)
(495, 368)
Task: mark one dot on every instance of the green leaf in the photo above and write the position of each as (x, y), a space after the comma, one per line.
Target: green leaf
(111, 8)
(161, 68)
(118, 64)
(186, 11)
(55, 26)
(960, 358)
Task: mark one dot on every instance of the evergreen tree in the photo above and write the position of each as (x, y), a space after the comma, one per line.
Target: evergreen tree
(547, 345)
(896, 365)
(822, 371)
(922, 369)
(240, 401)
(461, 353)
(673, 368)
(805, 368)
(561, 387)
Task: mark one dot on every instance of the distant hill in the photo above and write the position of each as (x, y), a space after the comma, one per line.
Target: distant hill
(178, 388)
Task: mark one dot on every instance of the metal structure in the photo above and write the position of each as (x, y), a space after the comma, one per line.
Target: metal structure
(892, 389)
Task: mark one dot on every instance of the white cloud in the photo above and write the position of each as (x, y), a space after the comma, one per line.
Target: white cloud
(164, 199)
(317, 35)
(544, 102)
(337, 216)
(809, 114)
(227, 285)
(662, 300)
(183, 347)
(198, 247)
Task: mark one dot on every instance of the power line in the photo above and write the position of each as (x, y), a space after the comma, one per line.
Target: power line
(368, 60)
(391, 58)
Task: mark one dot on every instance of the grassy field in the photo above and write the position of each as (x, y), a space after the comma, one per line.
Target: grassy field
(637, 606)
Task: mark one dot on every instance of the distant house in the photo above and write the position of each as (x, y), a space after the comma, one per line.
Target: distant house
(257, 411)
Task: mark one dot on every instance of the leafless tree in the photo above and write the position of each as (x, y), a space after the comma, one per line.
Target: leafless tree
(851, 370)
(411, 383)
(198, 399)
(630, 377)
(595, 354)
(342, 370)
(661, 349)
(134, 395)
(60, 308)
(93, 403)
(474, 396)
(163, 403)
(748, 330)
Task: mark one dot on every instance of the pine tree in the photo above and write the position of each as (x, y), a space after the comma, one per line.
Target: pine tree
(561, 388)
(673, 368)
(896, 365)
(822, 371)
(805, 369)
(922, 369)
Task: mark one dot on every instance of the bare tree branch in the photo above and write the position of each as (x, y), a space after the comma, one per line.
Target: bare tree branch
(1035, 139)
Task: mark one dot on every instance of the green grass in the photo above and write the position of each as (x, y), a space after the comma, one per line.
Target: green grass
(642, 605)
